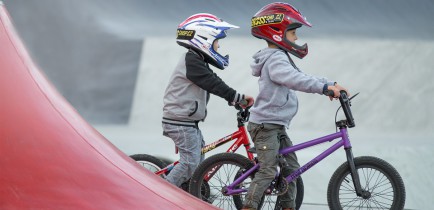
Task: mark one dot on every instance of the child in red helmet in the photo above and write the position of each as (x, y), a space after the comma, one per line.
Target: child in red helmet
(276, 103)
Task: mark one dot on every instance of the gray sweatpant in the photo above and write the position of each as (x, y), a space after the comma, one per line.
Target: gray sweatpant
(268, 139)
(189, 141)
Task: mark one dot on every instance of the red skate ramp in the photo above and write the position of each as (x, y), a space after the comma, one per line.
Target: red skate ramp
(50, 158)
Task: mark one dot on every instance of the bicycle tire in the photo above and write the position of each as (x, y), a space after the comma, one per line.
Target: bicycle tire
(149, 162)
(342, 195)
(230, 164)
(155, 164)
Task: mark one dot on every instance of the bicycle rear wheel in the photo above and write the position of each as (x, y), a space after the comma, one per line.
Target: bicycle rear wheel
(377, 177)
(155, 164)
(226, 168)
(149, 162)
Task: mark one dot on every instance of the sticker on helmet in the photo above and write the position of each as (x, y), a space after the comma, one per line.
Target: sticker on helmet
(267, 19)
(185, 34)
(277, 38)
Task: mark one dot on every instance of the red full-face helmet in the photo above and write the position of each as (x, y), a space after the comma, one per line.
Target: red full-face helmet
(273, 20)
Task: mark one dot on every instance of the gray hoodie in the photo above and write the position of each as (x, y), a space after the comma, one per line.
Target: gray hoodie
(188, 91)
(279, 78)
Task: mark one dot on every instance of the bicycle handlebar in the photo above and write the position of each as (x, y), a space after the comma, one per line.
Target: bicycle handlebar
(243, 113)
(244, 102)
(345, 104)
(329, 93)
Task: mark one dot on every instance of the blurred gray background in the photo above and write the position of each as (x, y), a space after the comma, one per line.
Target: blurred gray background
(112, 60)
(91, 49)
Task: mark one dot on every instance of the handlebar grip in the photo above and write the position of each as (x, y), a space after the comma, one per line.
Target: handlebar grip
(332, 94)
(244, 102)
(344, 92)
(238, 105)
(329, 93)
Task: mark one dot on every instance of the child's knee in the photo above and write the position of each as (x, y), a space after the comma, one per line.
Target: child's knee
(194, 162)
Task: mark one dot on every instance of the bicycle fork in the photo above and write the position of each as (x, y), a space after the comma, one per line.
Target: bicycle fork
(355, 175)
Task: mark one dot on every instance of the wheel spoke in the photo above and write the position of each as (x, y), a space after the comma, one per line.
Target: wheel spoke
(382, 187)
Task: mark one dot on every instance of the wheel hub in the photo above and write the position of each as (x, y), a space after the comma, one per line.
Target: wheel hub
(366, 194)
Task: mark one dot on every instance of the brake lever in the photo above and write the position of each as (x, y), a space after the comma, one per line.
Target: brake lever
(353, 96)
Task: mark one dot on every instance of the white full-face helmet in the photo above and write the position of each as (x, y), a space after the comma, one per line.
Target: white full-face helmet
(200, 31)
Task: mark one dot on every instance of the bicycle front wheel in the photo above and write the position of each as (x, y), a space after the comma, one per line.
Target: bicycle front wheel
(383, 184)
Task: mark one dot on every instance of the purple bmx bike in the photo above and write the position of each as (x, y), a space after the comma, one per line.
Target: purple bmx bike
(364, 182)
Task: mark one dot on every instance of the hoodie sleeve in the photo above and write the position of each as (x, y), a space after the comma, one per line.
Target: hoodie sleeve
(282, 72)
(200, 74)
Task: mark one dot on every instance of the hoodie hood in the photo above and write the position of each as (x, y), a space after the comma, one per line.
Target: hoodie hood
(259, 59)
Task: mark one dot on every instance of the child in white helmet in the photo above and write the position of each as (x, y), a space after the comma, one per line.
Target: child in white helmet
(189, 89)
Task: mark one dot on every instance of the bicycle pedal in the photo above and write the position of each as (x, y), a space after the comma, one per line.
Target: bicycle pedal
(268, 191)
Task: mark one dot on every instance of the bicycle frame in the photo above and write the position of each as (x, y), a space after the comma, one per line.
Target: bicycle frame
(344, 142)
(242, 139)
